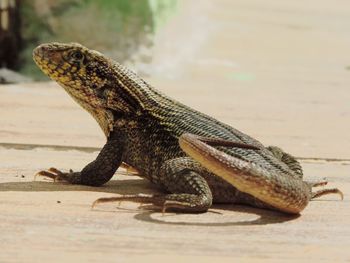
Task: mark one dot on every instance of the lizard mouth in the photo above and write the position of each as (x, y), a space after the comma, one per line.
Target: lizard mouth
(46, 61)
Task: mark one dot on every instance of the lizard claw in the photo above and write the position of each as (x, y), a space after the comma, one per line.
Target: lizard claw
(149, 207)
(322, 192)
(326, 192)
(54, 174)
(317, 183)
(162, 208)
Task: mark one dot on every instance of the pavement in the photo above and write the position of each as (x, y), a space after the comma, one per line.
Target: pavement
(274, 70)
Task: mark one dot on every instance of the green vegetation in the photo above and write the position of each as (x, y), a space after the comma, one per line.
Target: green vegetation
(115, 27)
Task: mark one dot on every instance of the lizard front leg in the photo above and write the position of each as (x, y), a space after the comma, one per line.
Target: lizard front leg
(98, 171)
(188, 190)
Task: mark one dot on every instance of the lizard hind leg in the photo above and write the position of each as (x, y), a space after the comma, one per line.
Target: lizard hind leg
(294, 165)
(288, 159)
(188, 190)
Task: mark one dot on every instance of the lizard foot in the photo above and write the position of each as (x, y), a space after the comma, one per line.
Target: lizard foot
(322, 192)
(54, 174)
(159, 202)
(146, 201)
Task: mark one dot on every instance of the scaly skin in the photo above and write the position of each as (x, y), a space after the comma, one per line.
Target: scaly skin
(196, 159)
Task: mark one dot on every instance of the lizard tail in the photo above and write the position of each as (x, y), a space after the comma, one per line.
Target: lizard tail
(289, 195)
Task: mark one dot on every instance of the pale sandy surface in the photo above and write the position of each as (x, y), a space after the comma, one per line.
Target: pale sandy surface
(276, 71)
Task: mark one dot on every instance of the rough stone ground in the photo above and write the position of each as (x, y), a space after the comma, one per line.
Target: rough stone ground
(275, 70)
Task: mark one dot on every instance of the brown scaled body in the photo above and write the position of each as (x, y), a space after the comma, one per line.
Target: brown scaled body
(195, 158)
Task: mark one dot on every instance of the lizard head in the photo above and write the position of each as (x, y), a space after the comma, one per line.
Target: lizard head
(85, 74)
(81, 71)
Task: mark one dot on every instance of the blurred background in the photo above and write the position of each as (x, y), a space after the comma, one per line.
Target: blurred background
(117, 28)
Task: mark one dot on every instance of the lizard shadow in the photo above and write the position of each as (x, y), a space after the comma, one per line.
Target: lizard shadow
(251, 215)
(122, 187)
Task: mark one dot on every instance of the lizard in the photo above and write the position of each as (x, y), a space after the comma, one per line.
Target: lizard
(196, 159)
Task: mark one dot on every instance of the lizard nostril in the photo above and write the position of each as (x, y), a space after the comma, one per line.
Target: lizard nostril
(38, 51)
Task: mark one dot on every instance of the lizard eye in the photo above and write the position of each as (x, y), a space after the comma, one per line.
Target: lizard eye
(77, 55)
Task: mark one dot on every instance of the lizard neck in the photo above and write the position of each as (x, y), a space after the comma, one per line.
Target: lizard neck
(148, 98)
(103, 117)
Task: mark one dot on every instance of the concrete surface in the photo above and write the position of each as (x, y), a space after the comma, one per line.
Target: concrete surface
(275, 70)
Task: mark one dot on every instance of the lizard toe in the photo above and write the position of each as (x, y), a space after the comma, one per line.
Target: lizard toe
(322, 192)
(54, 174)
